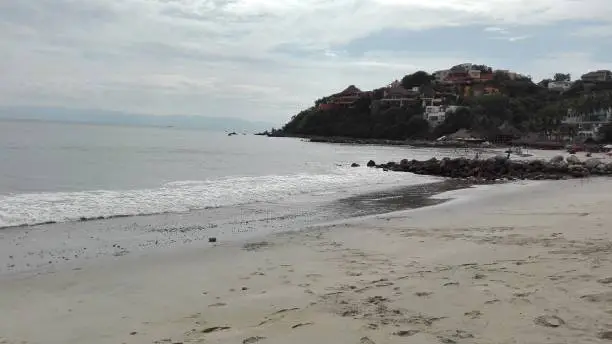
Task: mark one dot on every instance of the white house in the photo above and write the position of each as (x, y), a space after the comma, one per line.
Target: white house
(436, 114)
(441, 75)
(588, 125)
(560, 86)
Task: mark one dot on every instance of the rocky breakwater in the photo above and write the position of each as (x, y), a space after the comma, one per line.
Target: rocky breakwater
(502, 168)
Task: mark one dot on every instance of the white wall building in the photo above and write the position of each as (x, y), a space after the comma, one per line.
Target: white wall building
(441, 75)
(436, 114)
(560, 86)
(588, 125)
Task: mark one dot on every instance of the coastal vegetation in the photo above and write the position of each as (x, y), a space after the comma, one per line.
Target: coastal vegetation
(512, 104)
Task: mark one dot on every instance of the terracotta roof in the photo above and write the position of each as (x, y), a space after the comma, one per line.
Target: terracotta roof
(462, 134)
(400, 91)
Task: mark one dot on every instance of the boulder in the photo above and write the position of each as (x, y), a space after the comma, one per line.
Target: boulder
(578, 171)
(601, 169)
(557, 159)
(592, 163)
(354, 164)
(500, 168)
(560, 166)
(573, 160)
(371, 163)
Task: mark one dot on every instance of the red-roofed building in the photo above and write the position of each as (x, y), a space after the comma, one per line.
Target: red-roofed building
(345, 98)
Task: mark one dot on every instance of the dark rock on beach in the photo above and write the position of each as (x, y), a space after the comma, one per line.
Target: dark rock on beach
(502, 168)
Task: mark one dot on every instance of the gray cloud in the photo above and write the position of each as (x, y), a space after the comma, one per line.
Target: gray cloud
(258, 59)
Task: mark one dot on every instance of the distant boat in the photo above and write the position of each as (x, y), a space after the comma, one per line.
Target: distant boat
(232, 133)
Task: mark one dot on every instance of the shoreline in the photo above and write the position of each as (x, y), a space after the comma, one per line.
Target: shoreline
(549, 146)
(49, 247)
(530, 265)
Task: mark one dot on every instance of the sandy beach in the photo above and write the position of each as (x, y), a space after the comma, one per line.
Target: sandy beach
(501, 264)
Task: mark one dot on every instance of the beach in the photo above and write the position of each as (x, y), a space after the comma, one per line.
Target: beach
(496, 264)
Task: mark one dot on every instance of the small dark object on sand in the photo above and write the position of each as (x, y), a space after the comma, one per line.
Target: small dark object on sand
(212, 239)
(214, 329)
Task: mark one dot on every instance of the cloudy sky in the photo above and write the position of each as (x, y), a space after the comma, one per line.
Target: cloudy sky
(267, 59)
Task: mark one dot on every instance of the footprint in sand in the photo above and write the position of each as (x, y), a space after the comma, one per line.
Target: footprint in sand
(252, 340)
(549, 321)
(607, 280)
(601, 297)
(605, 335)
(366, 340)
(218, 304)
(406, 333)
(301, 324)
(215, 329)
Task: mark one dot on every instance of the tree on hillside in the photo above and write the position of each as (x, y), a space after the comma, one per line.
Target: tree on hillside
(482, 68)
(419, 78)
(378, 93)
(562, 77)
(417, 127)
(548, 117)
(499, 77)
(460, 119)
(491, 110)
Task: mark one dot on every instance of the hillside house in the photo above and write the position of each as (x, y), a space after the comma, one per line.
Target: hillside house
(436, 114)
(466, 73)
(396, 95)
(440, 75)
(588, 125)
(479, 90)
(559, 86)
(598, 75)
(344, 99)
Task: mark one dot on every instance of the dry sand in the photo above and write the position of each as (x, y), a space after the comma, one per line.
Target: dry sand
(531, 265)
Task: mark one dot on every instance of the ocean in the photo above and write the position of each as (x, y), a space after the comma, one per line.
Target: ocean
(65, 188)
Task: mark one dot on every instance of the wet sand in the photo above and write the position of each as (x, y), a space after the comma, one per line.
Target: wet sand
(50, 247)
(509, 264)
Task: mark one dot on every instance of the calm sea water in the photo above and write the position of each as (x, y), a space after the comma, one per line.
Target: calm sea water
(55, 172)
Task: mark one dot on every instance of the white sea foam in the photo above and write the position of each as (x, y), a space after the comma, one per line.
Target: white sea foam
(183, 196)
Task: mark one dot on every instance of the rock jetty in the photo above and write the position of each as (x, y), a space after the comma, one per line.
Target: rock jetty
(502, 168)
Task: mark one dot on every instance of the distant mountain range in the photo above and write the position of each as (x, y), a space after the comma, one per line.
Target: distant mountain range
(122, 118)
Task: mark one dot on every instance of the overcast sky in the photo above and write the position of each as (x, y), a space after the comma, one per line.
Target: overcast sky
(267, 59)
